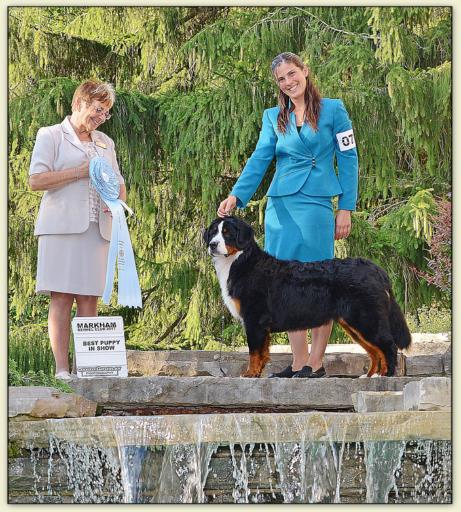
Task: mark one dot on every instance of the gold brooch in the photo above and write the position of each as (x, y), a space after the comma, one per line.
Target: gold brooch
(101, 144)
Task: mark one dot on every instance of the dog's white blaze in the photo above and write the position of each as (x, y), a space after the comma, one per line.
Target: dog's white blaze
(221, 248)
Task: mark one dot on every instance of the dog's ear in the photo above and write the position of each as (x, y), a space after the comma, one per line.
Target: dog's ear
(206, 233)
(245, 235)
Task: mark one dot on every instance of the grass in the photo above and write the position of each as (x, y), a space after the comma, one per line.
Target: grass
(39, 378)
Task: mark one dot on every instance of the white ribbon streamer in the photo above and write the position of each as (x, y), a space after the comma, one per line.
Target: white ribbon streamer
(120, 250)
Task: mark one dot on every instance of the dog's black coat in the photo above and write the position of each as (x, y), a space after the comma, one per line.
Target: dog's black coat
(276, 295)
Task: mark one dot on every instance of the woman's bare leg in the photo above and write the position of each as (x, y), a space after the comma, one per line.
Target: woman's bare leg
(299, 349)
(320, 337)
(87, 305)
(59, 328)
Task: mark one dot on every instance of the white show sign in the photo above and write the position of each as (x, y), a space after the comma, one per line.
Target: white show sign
(99, 346)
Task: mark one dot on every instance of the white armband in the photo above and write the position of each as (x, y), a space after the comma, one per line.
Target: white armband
(346, 140)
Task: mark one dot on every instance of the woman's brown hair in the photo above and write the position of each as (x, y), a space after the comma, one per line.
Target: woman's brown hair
(311, 95)
(91, 90)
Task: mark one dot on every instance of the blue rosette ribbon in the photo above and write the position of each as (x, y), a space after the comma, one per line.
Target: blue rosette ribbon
(106, 182)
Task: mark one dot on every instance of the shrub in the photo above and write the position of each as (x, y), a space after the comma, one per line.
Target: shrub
(29, 346)
(40, 378)
(440, 249)
(432, 319)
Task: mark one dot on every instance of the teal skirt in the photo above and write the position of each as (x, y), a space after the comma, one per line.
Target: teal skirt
(299, 227)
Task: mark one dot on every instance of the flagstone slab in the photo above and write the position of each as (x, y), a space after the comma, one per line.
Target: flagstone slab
(428, 394)
(378, 401)
(113, 431)
(195, 363)
(446, 360)
(230, 393)
(423, 365)
(37, 402)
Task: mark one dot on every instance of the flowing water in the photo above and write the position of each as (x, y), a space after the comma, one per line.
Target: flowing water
(239, 458)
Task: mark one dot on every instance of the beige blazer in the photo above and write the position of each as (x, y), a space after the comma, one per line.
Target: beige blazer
(66, 210)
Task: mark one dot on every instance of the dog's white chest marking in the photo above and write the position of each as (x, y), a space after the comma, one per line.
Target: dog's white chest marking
(222, 264)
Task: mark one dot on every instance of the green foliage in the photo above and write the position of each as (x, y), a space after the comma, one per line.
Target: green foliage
(30, 348)
(192, 83)
(394, 30)
(427, 132)
(439, 261)
(397, 240)
(430, 318)
(413, 220)
(40, 378)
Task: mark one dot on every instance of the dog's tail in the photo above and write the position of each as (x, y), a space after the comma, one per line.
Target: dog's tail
(399, 327)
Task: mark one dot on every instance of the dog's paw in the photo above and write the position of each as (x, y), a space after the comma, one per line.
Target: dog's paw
(375, 375)
(364, 376)
(250, 375)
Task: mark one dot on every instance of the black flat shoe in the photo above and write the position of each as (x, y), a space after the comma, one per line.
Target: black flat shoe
(287, 373)
(307, 373)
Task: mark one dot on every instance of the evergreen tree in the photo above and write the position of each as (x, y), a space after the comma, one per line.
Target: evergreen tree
(192, 83)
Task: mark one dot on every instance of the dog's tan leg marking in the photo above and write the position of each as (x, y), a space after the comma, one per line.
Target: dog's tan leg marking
(264, 351)
(237, 305)
(354, 337)
(379, 357)
(378, 360)
(258, 359)
(254, 365)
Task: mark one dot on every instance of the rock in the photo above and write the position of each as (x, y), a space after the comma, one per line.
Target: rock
(352, 348)
(427, 348)
(424, 337)
(377, 401)
(116, 431)
(185, 363)
(446, 360)
(428, 394)
(424, 365)
(36, 402)
(227, 393)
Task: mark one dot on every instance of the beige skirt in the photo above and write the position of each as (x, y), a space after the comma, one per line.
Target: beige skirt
(73, 263)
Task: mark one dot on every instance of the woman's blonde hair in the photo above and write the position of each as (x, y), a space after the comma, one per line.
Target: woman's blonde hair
(311, 95)
(91, 90)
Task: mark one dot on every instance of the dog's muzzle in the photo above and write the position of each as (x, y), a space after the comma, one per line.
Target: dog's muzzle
(213, 250)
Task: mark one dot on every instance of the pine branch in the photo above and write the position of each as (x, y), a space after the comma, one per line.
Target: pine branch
(170, 329)
(382, 210)
(286, 19)
(333, 29)
(61, 35)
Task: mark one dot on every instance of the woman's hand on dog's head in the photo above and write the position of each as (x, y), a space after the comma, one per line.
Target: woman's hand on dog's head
(226, 206)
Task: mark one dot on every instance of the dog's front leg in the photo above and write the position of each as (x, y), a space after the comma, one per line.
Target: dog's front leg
(258, 344)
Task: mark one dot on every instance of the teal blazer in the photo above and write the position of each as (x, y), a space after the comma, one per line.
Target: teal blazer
(305, 160)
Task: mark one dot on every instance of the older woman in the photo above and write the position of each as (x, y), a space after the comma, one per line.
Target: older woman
(73, 224)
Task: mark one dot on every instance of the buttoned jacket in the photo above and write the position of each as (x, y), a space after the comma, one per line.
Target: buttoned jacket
(305, 160)
(65, 210)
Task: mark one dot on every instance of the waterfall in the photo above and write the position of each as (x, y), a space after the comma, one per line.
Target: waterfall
(236, 458)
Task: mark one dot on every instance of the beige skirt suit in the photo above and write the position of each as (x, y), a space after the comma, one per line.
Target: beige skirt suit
(72, 228)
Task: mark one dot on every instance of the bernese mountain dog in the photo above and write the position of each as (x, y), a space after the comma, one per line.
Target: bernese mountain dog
(270, 295)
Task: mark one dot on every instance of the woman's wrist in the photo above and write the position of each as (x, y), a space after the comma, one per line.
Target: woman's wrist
(81, 172)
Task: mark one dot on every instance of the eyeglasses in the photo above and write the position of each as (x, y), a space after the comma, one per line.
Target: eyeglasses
(99, 111)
